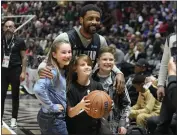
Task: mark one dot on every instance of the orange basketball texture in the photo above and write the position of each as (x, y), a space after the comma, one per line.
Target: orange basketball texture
(100, 103)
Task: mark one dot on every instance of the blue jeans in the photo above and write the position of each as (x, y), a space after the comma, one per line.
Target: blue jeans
(54, 124)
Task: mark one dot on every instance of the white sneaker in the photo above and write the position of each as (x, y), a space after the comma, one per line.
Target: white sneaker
(13, 123)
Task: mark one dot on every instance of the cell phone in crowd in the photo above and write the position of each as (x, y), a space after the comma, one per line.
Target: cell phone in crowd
(147, 85)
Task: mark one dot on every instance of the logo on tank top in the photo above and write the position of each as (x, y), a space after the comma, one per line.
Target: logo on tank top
(93, 46)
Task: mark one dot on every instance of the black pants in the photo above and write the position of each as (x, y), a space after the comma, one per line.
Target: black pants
(10, 76)
(166, 114)
(153, 121)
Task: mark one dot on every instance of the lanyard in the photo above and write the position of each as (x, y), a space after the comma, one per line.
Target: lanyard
(9, 46)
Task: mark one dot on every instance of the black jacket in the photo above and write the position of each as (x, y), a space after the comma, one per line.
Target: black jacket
(122, 102)
(172, 89)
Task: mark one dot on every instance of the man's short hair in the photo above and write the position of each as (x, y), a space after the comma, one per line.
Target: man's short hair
(5, 21)
(90, 7)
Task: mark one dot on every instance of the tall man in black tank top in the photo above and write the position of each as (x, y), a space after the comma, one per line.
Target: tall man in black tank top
(85, 40)
(13, 67)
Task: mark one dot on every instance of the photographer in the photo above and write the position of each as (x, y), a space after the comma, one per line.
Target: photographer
(171, 93)
(167, 53)
(167, 109)
(170, 100)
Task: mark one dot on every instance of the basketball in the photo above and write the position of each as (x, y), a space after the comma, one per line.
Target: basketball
(100, 103)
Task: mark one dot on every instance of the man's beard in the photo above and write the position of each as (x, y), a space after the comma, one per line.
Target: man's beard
(8, 35)
(92, 29)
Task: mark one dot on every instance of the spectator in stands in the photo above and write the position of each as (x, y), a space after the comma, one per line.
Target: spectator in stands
(47, 48)
(157, 46)
(119, 55)
(138, 37)
(146, 105)
(163, 28)
(139, 53)
(141, 68)
(38, 49)
(43, 43)
(30, 50)
(149, 44)
(130, 52)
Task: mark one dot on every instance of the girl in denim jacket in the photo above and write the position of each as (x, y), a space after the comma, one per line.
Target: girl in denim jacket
(52, 92)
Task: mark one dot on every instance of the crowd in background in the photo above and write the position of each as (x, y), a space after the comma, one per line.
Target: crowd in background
(137, 29)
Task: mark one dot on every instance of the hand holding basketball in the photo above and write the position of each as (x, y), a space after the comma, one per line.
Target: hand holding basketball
(84, 104)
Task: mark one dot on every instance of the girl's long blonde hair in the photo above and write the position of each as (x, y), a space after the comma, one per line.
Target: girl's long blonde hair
(51, 61)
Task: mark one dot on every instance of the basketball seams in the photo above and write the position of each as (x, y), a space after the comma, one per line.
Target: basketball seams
(101, 101)
(93, 108)
(91, 98)
(102, 107)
